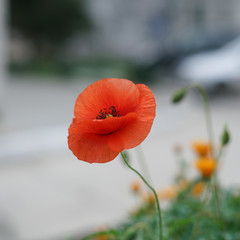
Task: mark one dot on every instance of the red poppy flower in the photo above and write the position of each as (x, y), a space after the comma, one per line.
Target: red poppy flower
(110, 115)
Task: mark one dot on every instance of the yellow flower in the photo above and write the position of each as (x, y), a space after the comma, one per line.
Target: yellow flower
(202, 148)
(206, 166)
(197, 189)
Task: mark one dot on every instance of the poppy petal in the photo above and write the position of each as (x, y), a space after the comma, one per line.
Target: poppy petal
(130, 136)
(120, 93)
(136, 131)
(146, 108)
(103, 126)
(89, 147)
(110, 115)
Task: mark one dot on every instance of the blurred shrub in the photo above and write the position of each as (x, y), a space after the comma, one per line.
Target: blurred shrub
(48, 24)
(88, 68)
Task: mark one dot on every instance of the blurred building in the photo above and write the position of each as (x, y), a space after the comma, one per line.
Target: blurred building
(3, 37)
(141, 30)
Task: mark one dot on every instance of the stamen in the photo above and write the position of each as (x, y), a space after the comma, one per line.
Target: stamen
(106, 113)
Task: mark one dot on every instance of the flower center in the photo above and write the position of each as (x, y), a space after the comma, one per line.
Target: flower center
(106, 113)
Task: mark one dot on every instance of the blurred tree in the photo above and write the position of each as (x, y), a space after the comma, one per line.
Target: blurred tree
(48, 23)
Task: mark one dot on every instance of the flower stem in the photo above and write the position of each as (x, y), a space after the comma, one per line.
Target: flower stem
(211, 140)
(202, 207)
(155, 195)
(207, 113)
(142, 163)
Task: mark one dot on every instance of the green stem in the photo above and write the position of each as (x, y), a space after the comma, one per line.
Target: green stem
(202, 207)
(207, 113)
(133, 229)
(210, 139)
(142, 163)
(219, 153)
(215, 185)
(155, 195)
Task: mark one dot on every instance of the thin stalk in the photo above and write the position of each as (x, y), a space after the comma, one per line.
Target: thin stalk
(207, 112)
(135, 228)
(155, 195)
(142, 163)
(210, 134)
(202, 207)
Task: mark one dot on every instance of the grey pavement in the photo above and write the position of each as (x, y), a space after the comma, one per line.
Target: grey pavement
(46, 193)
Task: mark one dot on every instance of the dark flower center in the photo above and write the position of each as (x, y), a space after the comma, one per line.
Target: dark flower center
(106, 113)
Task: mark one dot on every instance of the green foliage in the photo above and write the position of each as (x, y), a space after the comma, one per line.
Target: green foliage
(48, 23)
(94, 69)
(186, 218)
(200, 209)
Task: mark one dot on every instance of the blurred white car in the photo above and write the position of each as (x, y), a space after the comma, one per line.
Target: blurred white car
(213, 68)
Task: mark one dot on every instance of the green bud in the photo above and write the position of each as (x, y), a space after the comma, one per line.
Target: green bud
(225, 136)
(179, 95)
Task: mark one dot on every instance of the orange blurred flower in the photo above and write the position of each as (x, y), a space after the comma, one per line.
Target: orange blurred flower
(136, 186)
(202, 148)
(206, 166)
(149, 197)
(110, 115)
(163, 194)
(101, 237)
(168, 193)
(198, 189)
(183, 184)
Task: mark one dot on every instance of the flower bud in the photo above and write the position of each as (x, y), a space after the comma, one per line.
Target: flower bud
(225, 136)
(202, 148)
(179, 95)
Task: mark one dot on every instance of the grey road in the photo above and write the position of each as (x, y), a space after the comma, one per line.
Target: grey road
(46, 193)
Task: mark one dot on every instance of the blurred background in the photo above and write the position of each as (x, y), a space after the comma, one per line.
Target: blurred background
(50, 50)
